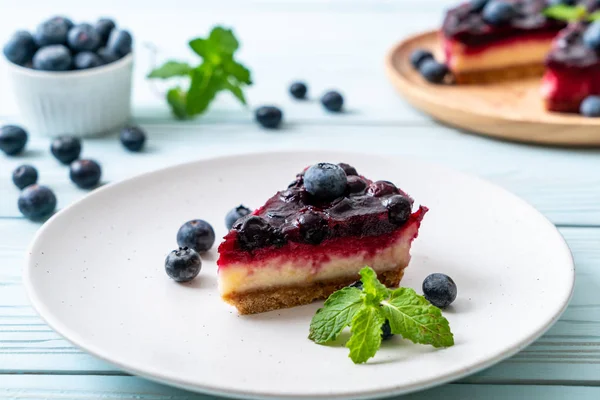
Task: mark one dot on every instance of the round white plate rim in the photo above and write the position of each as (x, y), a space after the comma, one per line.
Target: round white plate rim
(155, 375)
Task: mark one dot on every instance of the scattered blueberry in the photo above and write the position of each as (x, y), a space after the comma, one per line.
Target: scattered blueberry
(20, 48)
(433, 71)
(325, 181)
(37, 202)
(119, 42)
(348, 169)
(439, 290)
(66, 149)
(104, 26)
(12, 139)
(107, 56)
(298, 90)
(255, 232)
(590, 106)
(133, 138)
(477, 5)
(183, 265)
(53, 58)
(53, 31)
(356, 184)
(235, 214)
(313, 227)
(332, 101)
(85, 173)
(24, 176)
(498, 12)
(269, 116)
(386, 330)
(86, 60)
(399, 209)
(60, 19)
(418, 56)
(382, 188)
(591, 36)
(196, 234)
(83, 37)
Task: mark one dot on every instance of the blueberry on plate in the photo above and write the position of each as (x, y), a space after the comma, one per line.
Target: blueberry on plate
(83, 37)
(433, 71)
(53, 58)
(52, 31)
(399, 209)
(20, 48)
(85, 173)
(107, 56)
(439, 290)
(66, 149)
(183, 265)
(591, 36)
(133, 138)
(104, 26)
(196, 234)
(418, 56)
(120, 42)
(332, 101)
(499, 12)
(24, 176)
(386, 330)
(298, 90)
(268, 116)
(86, 60)
(37, 202)
(590, 106)
(325, 181)
(235, 214)
(12, 139)
(477, 5)
(313, 226)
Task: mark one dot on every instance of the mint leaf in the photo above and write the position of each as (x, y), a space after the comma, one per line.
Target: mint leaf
(366, 333)
(594, 16)
(413, 317)
(374, 290)
(564, 12)
(206, 82)
(177, 100)
(237, 70)
(336, 314)
(170, 69)
(236, 90)
(224, 40)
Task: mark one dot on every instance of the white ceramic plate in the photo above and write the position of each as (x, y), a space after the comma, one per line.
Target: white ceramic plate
(96, 274)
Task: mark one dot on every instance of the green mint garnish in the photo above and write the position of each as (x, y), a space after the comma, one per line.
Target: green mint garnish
(564, 12)
(365, 311)
(218, 71)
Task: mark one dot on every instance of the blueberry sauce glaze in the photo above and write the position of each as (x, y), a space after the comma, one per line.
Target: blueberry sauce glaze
(569, 51)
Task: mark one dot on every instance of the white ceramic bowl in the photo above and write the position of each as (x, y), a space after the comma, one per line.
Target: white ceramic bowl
(82, 103)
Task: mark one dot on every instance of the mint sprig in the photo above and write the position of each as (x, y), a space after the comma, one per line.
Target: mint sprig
(219, 71)
(365, 311)
(565, 12)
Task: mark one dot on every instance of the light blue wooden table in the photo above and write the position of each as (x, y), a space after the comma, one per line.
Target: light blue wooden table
(330, 44)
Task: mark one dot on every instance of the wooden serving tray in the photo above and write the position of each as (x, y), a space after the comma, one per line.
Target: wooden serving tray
(508, 110)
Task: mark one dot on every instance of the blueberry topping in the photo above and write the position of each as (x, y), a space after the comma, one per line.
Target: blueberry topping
(562, 2)
(120, 42)
(348, 169)
(196, 234)
(37, 202)
(85, 173)
(86, 60)
(133, 138)
(298, 90)
(590, 106)
(53, 31)
(591, 36)
(235, 214)
(107, 56)
(53, 58)
(499, 12)
(418, 56)
(358, 284)
(356, 184)
(439, 290)
(20, 48)
(12, 139)
(183, 265)
(104, 26)
(268, 116)
(477, 5)
(382, 188)
(332, 101)
(24, 176)
(433, 71)
(313, 227)
(294, 195)
(66, 149)
(83, 37)
(325, 181)
(399, 209)
(386, 330)
(255, 232)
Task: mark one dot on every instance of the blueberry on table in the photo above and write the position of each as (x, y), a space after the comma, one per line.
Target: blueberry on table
(433, 71)
(268, 116)
(386, 330)
(235, 214)
(85, 173)
(86, 60)
(298, 90)
(83, 37)
(52, 31)
(104, 27)
(439, 290)
(591, 36)
(12, 139)
(107, 56)
(325, 181)
(20, 48)
(120, 42)
(418, 56)
(196, 234)
(24, 176)
(332, 101)
(590, 106)
(499, 12)
(53, 58)
(66, 149)
(37, 202)
(399, 209)
(133, 138)
(183, 265)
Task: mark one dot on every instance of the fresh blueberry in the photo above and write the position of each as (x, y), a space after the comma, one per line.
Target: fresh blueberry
(348, 169)
(499, 12)
(591, 36)
(37, 202)
(53, 58)
(418, 56)
(24, 176)
(386, 330)
(325, 181)
(382, 188)
(332, 101)
(590, 106)
(120, 42)
(399, 209)
(358, 284)
(107, 56)
(12, 139)
(255, 232)
(439, 290)
(85, 173)
(183, 265)
(433, 71)
(196, 234)
(313, 227)
(104, 26)
(133, 138)
(53, 31)
(86, 60)
(61, 19)
(83, 37)
(268, 116)
(298, 90)
(477, 5)
(66, 149)
(20, 48)
(235, 214)
(356, 184)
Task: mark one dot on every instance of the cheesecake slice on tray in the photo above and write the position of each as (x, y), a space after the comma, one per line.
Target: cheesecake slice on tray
(313, 238)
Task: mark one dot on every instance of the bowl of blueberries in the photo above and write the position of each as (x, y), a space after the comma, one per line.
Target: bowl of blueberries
(72, 78)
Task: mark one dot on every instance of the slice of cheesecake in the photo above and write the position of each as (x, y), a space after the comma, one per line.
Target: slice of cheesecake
(297, 248)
